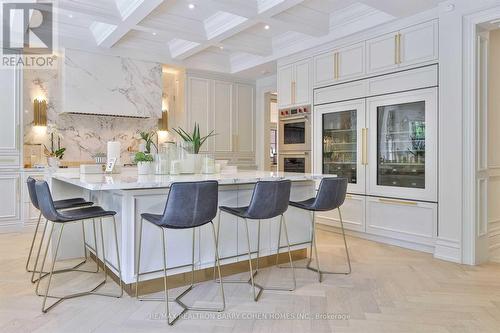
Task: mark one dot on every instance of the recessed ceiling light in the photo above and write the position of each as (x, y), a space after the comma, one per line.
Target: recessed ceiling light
(70, 15)
(267, 27)
(221, 47)
(154, 33)
(191, 6)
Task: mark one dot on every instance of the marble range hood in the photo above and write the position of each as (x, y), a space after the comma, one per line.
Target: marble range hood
(114, 86)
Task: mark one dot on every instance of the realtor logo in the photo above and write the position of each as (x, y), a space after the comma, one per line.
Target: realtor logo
(27, 28)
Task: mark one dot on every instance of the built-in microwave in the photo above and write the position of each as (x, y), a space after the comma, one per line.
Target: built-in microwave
(295, 129)
(295, 161)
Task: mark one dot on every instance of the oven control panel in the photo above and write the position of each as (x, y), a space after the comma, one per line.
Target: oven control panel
(295, 111)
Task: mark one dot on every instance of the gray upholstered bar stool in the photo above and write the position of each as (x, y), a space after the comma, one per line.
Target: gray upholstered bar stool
(269, 200)
(49, 212)
(189, 205)
(59, 205)
(331, 195)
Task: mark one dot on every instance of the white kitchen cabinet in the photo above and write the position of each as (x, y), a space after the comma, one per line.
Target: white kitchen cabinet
(227, 108)
(407, 47)
(294, 86)
(339, 65)
(10, 197)
(223, 116)
(410, 221)
(418, 44)
(285, 86)
(302, 83)
(245, 129)
(382, 53)
(353, 214)
(199, 101)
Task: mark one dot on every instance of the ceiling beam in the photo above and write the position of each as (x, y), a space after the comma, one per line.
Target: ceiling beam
(303, 19)
(134, 12)
(265, 10)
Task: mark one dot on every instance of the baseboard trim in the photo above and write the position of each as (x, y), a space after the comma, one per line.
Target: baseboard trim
(201, 275)
(448, 250)
(379, 239)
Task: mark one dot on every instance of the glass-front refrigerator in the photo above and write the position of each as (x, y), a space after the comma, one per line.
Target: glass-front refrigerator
(339, 129)
(403, 145)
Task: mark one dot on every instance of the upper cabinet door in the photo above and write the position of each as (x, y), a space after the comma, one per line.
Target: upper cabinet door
(301, 83)
(9, 112)
(285, 79)
(199, 107)
(245, 106)
(419, 43)
(223, 116)
(324, 69)
(382, 53)
(351, 62)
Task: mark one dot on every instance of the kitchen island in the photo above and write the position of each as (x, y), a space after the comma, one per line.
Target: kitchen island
(130, 194)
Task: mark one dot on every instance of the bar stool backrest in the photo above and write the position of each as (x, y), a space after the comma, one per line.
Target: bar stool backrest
(45, 202)
(269, 199)
(30, 182)
(191, 204)
(331, 194)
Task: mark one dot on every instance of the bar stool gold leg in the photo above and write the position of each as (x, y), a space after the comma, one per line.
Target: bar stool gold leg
(33, 243)
(255, 296)
(44, 310)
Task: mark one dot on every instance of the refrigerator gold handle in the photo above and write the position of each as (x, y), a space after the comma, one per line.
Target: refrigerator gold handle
(293, 92)
(364, 143)
(398, 202)
(335, 65)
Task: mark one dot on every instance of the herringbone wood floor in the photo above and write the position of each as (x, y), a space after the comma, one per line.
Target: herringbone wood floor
(390, 290)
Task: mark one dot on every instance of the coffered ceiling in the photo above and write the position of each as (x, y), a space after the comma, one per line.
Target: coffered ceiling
(232, 36)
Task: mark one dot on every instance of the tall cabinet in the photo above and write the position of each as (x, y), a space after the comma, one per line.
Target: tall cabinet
(10, 147)
(228, 108)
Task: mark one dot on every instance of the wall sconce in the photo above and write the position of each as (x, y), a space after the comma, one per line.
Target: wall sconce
(163, 121)
(39, 112)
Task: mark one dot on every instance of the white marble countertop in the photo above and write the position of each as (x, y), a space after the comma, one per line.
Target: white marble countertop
(128, 179)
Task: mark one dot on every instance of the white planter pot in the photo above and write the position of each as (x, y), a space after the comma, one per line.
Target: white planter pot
(144, 168)
(53, 163)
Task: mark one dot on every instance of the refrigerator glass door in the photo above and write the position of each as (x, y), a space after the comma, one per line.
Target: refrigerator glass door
(339, 142)
(401, 145)
(402, 158)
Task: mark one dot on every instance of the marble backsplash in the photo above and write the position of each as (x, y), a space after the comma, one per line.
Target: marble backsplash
(82, 135)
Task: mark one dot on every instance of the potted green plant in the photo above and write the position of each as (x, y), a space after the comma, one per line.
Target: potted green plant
(148, 138)
(144, 163)
(54, 155)
(195, 138)
(192, 162)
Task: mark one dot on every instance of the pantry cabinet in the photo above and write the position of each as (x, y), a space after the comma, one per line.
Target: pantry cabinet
(294, 84)
(227, 108)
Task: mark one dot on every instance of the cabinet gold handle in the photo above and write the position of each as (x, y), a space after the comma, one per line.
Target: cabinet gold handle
(335, 65)
(294, 88)
(348, 196)
(399, 48)
(398, 202)
(337, 70)
(364, 138)
(396, 48)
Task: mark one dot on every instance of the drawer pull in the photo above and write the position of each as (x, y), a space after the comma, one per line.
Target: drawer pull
(398, 202)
